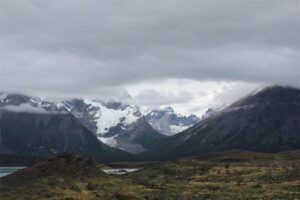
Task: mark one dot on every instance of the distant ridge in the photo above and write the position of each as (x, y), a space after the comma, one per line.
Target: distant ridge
(267, 120)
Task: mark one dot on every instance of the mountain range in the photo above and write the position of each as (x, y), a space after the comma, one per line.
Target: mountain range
(117, 124)
(168, 122)
(266, 120)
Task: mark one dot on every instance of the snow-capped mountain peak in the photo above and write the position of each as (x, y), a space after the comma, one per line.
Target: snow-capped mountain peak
(19, 102)
(106, 117)
(168, 122)
(118, 124)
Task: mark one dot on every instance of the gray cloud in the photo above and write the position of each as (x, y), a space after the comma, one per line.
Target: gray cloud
(28, 108)
(151, 97)
(95, 47)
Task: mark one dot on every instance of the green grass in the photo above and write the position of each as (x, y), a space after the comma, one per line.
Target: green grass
(228, 175)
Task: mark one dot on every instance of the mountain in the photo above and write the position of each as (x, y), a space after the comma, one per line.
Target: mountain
(20, 102)
(105, 119)
(168, 122)
(267, 120)
(119, 125)
(211, 111)
(138, 137)
(34, 131)
(19, 160)
(102, 118)
(39, 134)
(116, 124)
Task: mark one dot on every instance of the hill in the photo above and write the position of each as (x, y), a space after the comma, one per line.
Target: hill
(264, 121)
(216, 176)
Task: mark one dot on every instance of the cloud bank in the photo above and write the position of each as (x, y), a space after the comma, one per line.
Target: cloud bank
(28, 108)
(98, 47)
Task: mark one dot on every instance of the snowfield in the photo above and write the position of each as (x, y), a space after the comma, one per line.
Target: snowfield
(107, 118)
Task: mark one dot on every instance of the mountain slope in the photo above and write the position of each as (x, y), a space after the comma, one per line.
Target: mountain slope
(264, 121)
(102, 118)
(116, 124)
(168, 122)
(139, 137)
(45, 134)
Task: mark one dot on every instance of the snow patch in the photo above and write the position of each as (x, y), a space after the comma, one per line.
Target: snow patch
(108, 141)
(2, 97)
(176, 129)
(107, 118)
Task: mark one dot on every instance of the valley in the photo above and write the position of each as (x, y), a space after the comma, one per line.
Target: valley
(227, 175)
(149, 100)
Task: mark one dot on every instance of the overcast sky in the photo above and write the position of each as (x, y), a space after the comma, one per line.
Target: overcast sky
(189, 54)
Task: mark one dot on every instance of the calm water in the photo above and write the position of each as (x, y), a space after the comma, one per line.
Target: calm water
(8, 170)
(120, 170)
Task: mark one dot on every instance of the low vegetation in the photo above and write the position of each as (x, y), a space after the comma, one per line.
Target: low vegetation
(227, 175)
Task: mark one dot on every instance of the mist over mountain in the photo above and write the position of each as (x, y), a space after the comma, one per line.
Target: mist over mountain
(149, 100)
(168, 122)
(117, 124)
(264, 121)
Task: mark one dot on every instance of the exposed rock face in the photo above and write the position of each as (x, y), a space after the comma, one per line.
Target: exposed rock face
(264, 121)
(168, 122)
(105, 119)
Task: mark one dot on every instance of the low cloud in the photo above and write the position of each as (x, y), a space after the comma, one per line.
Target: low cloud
(97, 47)
(28, 108)
(151, 97)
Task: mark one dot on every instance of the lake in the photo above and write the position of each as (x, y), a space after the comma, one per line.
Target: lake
(4, 171)
(120, 170)
(8, 170)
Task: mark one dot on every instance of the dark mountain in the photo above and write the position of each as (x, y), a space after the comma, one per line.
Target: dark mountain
(27, 101)
(19, 160)
(46, 134)
(82, 112)
(168, 122)
(139, 137)
(264, 121)
(13, 99)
